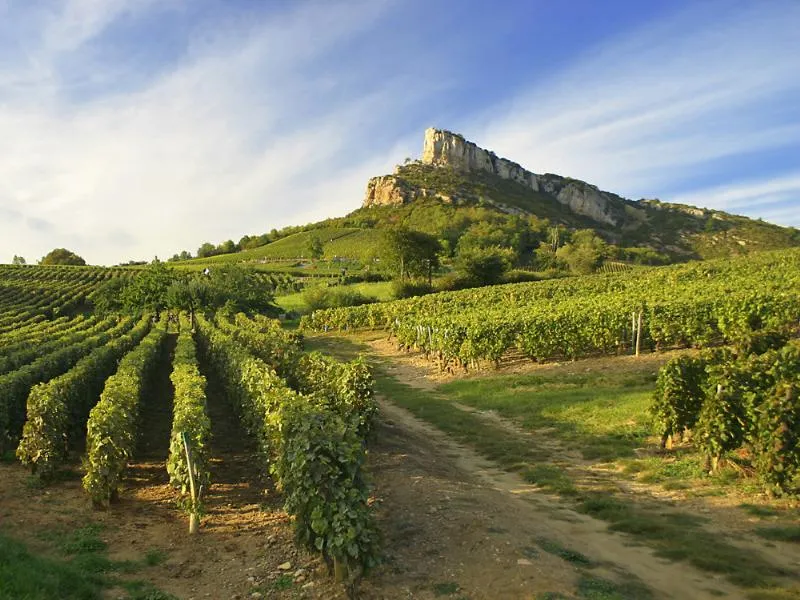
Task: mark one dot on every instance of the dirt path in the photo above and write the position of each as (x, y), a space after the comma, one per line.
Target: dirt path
(722, 512)
(484, 520)
(618, 553)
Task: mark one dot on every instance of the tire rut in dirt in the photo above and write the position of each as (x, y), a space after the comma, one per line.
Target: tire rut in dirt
(239, 487)
(155, 424)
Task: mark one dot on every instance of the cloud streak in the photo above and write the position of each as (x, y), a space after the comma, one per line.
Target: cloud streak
(211, 149)
(653, 113)
(254, 118)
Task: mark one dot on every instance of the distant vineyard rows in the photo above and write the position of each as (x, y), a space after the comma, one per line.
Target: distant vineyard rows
(697, 304)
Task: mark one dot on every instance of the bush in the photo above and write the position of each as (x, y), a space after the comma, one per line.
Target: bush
(409, 289)
(519, 276)
(320, 297)
(777, 443)
(453, 281)
(679, 395)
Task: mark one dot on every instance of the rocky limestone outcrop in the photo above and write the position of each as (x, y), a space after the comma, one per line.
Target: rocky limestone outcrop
(449, 150)
(581, 198)
(387, 190)
(445, 149)
(390, 190)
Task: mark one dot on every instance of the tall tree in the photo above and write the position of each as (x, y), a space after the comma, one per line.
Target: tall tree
(206, 250)
(585, 252)
(315, 248)
(18, 260)
(485, 266)
(410, 253)
(62, 256)
(148, 291)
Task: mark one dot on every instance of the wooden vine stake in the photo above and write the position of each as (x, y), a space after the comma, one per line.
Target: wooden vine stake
(638, 333)
(194, 516)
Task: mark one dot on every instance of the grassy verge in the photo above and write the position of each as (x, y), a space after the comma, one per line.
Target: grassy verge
(379, 290)
(75, 567)
(604, 416)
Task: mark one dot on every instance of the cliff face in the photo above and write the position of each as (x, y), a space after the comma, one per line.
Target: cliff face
(444, 149)
(392, 190)
(582, 198)
(386, 190)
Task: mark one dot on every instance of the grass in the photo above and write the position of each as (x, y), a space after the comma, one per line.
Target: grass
(283, 582)
(79, 568)
(445, 589)
(605, 416)
(597, 588)
(380, 290)
(571, 556)
(510, 452)
(681, 537)
(775, 594)
(24, 575)
(759, 511)
(787, 533)
(154, 557)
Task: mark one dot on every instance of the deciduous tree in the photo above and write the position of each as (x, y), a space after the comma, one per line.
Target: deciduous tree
(62, 256)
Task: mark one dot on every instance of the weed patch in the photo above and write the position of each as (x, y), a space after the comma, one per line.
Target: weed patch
(680, 537)
(572, 556)
(788, 533)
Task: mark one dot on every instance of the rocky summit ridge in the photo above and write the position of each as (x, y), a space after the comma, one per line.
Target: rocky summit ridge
(448, 150)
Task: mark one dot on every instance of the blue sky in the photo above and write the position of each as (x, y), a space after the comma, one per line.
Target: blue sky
(136, 128)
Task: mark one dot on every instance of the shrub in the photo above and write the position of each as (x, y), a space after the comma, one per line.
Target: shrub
(679, 395)
(320, 297)
(409, 289)
(777, 439)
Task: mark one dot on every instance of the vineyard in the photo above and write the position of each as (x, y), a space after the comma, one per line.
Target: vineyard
(696, 305)
(77, 386)
(74, 383)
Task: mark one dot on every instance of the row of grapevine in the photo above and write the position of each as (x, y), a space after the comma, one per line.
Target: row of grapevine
(16, 385)
(345, 387)
(42, 331)
(38, 294)
(14, 356)
(266, 339)
(111, 428)
(315, 454)
(57, 410)
(191, 427)
(696, 304)
(731, 399)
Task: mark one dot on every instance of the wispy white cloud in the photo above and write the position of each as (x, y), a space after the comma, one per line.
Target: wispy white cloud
(257, 120)
(239, 138)
(774, 198)
(647, 114)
